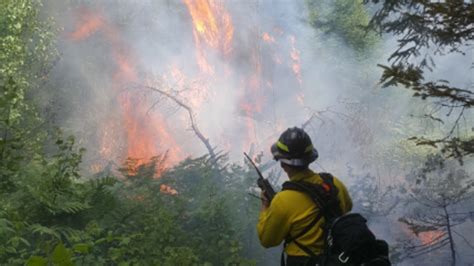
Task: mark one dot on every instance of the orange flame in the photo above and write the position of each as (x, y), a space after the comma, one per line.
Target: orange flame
(212, 26)
(165, 189)
(296, 61)
(146, 135)
(91, 23)
(429, 236)
(268, 38)
(195, 91)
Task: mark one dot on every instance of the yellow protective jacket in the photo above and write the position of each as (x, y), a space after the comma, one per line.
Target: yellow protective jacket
(291, 211)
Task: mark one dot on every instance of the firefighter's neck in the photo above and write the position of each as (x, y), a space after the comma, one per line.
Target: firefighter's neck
(291, 171)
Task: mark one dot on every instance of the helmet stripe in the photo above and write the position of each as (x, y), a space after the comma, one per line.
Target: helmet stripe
(309, 148)
(282, 146)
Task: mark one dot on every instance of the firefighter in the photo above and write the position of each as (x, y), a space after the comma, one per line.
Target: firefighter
(292, 217)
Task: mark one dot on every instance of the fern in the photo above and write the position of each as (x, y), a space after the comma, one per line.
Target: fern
(70, 235)
(72, 207)
(6, 226)
(101, 183)
(16, 240)
(43, 230)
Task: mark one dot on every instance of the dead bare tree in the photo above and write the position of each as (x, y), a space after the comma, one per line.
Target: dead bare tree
(439, 188)
(191, 116)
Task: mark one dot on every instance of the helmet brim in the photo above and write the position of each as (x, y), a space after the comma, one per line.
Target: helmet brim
(306, 160)
(277, 154)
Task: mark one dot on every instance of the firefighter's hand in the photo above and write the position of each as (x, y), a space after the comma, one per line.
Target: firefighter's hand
(265, 201)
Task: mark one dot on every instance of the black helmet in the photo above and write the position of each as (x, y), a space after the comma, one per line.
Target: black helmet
(294, 147)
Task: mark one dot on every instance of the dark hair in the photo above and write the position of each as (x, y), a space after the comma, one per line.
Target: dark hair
(295, 168)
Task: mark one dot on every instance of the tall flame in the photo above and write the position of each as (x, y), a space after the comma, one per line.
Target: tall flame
(212, 28)
(296, 61)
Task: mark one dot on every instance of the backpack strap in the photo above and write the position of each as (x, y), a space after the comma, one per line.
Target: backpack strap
(333, 206)
(333, 211)
(290, 239)
(319, 194)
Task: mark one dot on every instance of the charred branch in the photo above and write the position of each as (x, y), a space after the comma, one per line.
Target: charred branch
(314, 114)
(191, 116)
(307, 122)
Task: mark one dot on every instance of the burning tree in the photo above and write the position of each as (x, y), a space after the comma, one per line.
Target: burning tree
(439, 194)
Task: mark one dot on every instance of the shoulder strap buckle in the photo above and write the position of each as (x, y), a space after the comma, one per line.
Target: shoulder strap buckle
(342, 259)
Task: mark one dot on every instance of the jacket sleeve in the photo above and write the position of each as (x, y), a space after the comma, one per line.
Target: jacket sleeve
(273, 225)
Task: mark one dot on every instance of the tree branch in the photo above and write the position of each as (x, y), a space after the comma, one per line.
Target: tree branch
(191, 116)
(465, 240)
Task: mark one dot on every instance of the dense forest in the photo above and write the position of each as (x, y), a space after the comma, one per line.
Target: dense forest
(123, 124)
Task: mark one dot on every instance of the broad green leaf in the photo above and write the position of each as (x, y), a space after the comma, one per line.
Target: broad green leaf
(62, 255)
(82, 248)
(37, 261)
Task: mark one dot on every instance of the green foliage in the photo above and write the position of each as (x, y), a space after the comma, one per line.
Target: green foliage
(421, 24)
(143, 226)
(427, 30)
(26, 51)
(347, 20)
(218, 210)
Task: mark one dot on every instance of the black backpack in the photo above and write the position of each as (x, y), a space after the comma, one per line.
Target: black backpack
(348, 240)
